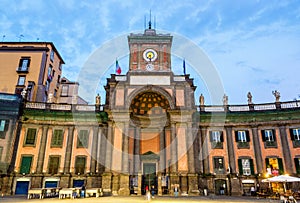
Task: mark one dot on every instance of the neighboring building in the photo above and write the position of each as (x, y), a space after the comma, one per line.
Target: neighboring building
(35, 66)
(154, 135)
(68, 92)
(10, 107)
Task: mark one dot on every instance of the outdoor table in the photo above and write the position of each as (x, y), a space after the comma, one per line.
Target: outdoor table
(66, 192)
(91, 191)
(36, 191)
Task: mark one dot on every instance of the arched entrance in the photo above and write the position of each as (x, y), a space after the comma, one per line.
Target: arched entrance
(150, 118)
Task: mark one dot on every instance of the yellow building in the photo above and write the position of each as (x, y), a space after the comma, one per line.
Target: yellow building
(35, 66)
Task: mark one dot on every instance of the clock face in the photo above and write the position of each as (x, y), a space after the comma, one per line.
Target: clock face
(150, 55)
(149, 67)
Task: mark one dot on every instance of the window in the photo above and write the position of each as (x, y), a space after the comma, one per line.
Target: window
(25, 164)
(295, 134)
(297, 165)
(274, 166)
(53, 164)
(3, 128)
(21, 80)
(218, 165)
(216, 136)
(83, 139)
(57, 138)
(64, 90)
(295, 137)
(216, 139)
(49, 75)
(30, 138)
(269, 137)
(246, 166)
(242, 136)
(52, 55)
(24, 64)
(80, 164)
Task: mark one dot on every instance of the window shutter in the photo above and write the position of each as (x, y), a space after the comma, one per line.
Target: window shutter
(267, 162)
(247, 136)
(221, 136)
(274, 134)
(240, 166)
(280, 164)
(236, 136)
(296, 160)
(210, 136)
(251, 166)
(263, 135)
(292, 134)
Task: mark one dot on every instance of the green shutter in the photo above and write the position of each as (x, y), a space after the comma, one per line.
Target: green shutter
(240, 166)
(236, 136)
(263, 136)
(267, 163)
(25, 164)
(221, 136)
(280, 164)
(210, 136)
(296, 160)
(247, 136)
(292, 134)
(251, 166)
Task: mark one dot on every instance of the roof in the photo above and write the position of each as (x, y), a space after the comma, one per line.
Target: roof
(29, 46)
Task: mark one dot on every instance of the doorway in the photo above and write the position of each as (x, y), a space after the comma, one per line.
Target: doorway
(149, 177)
(220, 187)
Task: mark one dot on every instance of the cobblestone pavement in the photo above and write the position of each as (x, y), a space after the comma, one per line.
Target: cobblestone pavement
(139, 199)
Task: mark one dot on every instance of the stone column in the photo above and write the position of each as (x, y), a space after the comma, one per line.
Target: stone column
(124, 177)
(231, 154)
(41, 155)
(69, 147)
(102, 152)
(137, 150)
(109, 145)
(190, 148)
(288, 162)
(173, 148)
(107, 175)
(204, 152)
(94, 150)
(257, 150)
(125, 154)
(162, 153)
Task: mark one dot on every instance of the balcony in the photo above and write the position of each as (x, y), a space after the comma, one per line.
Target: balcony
(217, 145)
(243, 145)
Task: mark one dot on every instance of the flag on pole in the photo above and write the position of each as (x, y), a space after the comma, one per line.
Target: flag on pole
(184, 67)
(118, 68)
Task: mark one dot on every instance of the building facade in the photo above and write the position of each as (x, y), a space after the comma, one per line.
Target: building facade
(33, 66)
(150, 133)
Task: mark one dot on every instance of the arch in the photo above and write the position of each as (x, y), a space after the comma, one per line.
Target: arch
(150, 88)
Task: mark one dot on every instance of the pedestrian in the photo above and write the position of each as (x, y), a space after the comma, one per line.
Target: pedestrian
(175, 190)
(152, 191)
(252, 190)
(83, 191)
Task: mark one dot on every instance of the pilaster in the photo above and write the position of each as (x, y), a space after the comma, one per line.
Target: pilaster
(41, 155)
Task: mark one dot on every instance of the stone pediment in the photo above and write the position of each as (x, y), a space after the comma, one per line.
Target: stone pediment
(149, 156)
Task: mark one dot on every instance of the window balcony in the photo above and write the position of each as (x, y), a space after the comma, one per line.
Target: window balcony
(296, 143)
(217, 145)
(243, 145)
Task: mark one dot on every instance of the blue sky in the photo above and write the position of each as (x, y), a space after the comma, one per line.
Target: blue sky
(254, 45)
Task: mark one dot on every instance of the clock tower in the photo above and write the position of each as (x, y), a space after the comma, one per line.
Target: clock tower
(150, 52)
(150, 120)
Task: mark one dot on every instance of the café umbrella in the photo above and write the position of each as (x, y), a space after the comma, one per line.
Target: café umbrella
(282, 179)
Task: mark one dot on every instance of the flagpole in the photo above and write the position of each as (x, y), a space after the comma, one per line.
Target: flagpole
(184, 71)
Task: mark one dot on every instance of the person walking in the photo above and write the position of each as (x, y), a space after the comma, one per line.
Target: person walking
(175, 190)
(152, 191)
